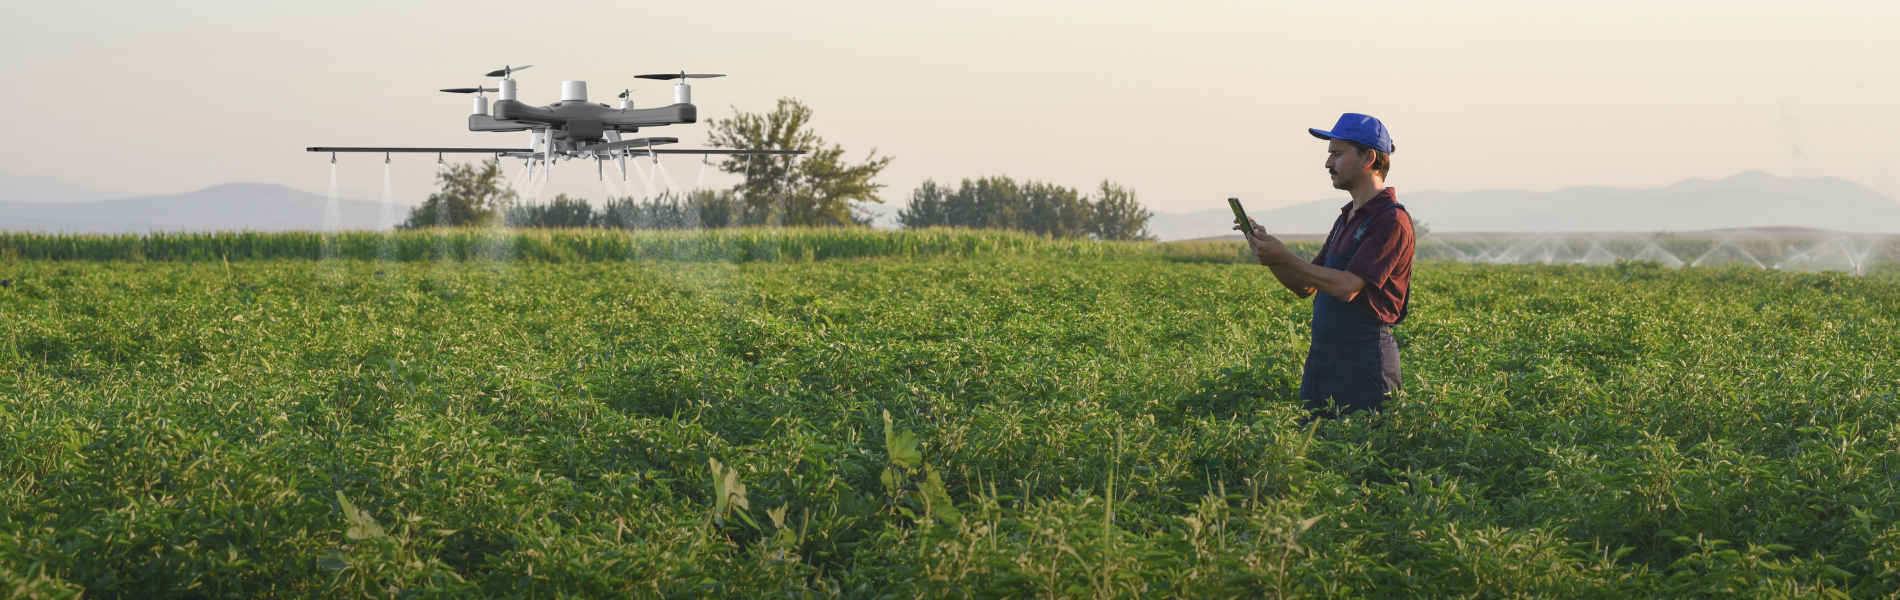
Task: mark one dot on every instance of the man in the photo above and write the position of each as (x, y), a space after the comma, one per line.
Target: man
(1362, 276)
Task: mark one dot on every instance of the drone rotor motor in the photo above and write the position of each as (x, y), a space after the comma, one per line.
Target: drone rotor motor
(682, 93)
(481, 102)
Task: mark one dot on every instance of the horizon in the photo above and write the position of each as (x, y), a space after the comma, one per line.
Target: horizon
(1749, 200)
(366, 195)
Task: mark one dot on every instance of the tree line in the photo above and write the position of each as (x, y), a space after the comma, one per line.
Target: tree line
(697, 209)
(1110, 213)
(820, 188)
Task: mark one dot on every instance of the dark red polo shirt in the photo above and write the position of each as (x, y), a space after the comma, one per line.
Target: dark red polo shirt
(1384, 259)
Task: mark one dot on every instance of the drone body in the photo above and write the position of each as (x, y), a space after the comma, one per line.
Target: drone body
(574, 127)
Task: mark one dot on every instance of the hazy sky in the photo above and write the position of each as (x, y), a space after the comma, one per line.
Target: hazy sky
(1187, 102)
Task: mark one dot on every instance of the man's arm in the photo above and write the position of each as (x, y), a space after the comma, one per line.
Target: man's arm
(1292, 281)
(1300, 275)
(1336, 283)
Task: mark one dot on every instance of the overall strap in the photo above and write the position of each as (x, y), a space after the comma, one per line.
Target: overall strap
(1326, 247)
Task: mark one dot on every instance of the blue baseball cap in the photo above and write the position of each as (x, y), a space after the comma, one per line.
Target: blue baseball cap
(1358, 128)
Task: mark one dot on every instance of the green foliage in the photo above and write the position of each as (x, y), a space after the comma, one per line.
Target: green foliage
(697, 209)
(1118, 215)
(931, 497)
(1001, 415)
(467, 194)
(901, 446)
(728, 493)
(1040, 208)
(560, 213)
(816, 189)
(652, 241)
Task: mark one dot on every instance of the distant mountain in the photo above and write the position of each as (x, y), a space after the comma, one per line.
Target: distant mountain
(1747, 200)
(40, 188)
(232, 206)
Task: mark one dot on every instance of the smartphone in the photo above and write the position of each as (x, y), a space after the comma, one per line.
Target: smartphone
(1246, 225)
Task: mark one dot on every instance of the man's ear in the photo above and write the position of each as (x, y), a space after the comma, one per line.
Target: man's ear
(1367, 157)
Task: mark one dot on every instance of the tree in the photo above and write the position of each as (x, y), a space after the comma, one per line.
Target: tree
(468, 195)
(818, 188)
(927, 207)
(561, 212)
(1055, 211)
(1042, 208)
(1118, 216)
(697, 209)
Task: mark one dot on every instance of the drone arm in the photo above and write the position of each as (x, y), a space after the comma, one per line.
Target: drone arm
(633, 143)
(420, 150)
(728, 151)
(488, 123)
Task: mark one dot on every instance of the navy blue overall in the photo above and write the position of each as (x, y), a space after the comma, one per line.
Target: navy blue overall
(1353, 362)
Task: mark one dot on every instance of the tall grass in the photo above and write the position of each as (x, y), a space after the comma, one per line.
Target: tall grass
(550, 245)
(593, 245)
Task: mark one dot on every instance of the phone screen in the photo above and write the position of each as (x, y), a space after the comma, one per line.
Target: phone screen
(1246, 226)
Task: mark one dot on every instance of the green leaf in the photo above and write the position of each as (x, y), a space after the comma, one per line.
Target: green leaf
(939, 498)
(333, 563)
(361, 525)
(743, 516)
(727, 491)
(905, 452)
(889, 477)
(1308, 523)
(901, 446)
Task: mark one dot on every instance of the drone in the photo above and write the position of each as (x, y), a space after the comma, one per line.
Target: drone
(574, 127)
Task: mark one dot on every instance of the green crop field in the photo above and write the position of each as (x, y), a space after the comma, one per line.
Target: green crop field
(818, 414)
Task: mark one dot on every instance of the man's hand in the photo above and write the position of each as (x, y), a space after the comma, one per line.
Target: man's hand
(1266, 248)
(1302, 277)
